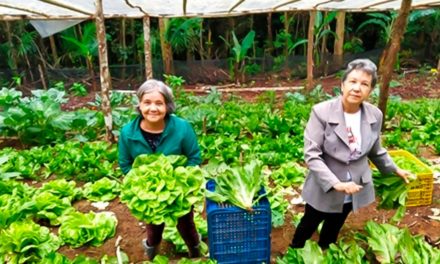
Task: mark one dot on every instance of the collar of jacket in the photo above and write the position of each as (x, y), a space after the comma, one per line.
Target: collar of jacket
(367, 119)
(136, 133)
(338, 116)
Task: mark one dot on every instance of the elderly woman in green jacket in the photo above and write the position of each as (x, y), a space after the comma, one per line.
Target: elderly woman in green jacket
(158, 130)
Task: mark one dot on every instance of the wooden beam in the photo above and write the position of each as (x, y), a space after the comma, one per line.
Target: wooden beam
(389, 55)
(104, 72)
(376, 4)
(324, 2)
(286, 3)
(17, 7)
(72, 8)
(236, 4)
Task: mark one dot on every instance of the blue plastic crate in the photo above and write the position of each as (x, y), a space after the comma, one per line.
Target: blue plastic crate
(236, 235)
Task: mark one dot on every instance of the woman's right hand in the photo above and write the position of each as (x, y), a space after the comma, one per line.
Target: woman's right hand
(347, 187)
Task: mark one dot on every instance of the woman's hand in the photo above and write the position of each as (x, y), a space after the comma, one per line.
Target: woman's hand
(405, 175)
(347, 187)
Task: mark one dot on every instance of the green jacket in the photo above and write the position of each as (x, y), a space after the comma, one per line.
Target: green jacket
(178, 138)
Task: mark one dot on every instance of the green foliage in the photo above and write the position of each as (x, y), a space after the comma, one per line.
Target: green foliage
(103, 189)
(78, 229)
(176, 83)
(27, 242)
(62, 189)
(50, 207)
(184, 33)
(159, 190)
(381, 20)
(85, 47)
(278, 205)
(78, 89)
(171, 234)
(237, 185)
(239, 52)
(82, 161)
(288, 174)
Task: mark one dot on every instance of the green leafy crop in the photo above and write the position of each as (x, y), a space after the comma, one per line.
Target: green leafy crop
(159, 190)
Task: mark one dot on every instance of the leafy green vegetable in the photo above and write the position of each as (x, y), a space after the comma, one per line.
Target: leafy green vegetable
(278, 205)
(62, 188)
(155, 192)
(288, 174)
(311, 253)
(51, 207)
(238, 185)
(78, 229)
(27, 242)
(103, 189)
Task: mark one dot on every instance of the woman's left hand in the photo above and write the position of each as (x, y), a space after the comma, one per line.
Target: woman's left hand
(405, 175)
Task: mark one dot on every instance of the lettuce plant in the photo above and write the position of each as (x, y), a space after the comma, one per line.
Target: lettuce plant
(158, 190)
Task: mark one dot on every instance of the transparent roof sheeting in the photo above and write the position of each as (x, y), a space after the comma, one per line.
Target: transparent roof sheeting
(84, 9)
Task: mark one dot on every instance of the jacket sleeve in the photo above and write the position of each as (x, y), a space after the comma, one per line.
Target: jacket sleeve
(191, 147)
(125, 159)
(314, 136)
(379, 155)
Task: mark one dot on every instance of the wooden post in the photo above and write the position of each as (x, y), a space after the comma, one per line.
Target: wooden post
(389, 55)
(147, 48)
(53, 49)
(167, 54)
(339, 41)
(269, 34)
(14, 63)
(104, 72)
(310, 44)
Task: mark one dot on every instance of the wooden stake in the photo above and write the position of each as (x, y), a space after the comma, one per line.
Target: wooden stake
(310, 45)
(104, 72)
(147, 48)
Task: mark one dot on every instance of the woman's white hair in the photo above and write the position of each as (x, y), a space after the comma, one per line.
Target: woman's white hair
(153, 85)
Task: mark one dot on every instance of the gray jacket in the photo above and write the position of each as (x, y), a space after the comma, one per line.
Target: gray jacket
(327, 154)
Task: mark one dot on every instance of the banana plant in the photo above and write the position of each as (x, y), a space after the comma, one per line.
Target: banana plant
(383, 21)
(239, 53)
(184, 34)
(321, 31)
(86, 46)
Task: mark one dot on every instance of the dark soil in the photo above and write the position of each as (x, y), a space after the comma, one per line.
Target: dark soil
(131, 231)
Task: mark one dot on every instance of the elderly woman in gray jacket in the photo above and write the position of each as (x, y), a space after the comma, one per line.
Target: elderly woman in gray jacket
(342, 134)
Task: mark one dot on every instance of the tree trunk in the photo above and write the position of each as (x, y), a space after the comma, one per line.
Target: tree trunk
(53, 49)
(104, 72)
(201, 47)
(389, 55)
(286, 43)
(13, 58)
(269, 35)
(339, 41)
(310, 42)
(167, 54)
(209, 43)
(147, 48)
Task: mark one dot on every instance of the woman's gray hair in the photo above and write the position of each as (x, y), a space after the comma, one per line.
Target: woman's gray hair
(153, 85)
(364, 65)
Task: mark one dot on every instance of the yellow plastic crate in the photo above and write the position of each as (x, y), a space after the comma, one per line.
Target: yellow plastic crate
(420, 192)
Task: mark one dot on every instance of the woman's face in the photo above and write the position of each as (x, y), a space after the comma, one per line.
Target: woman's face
(356, 88)
(153, 107)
